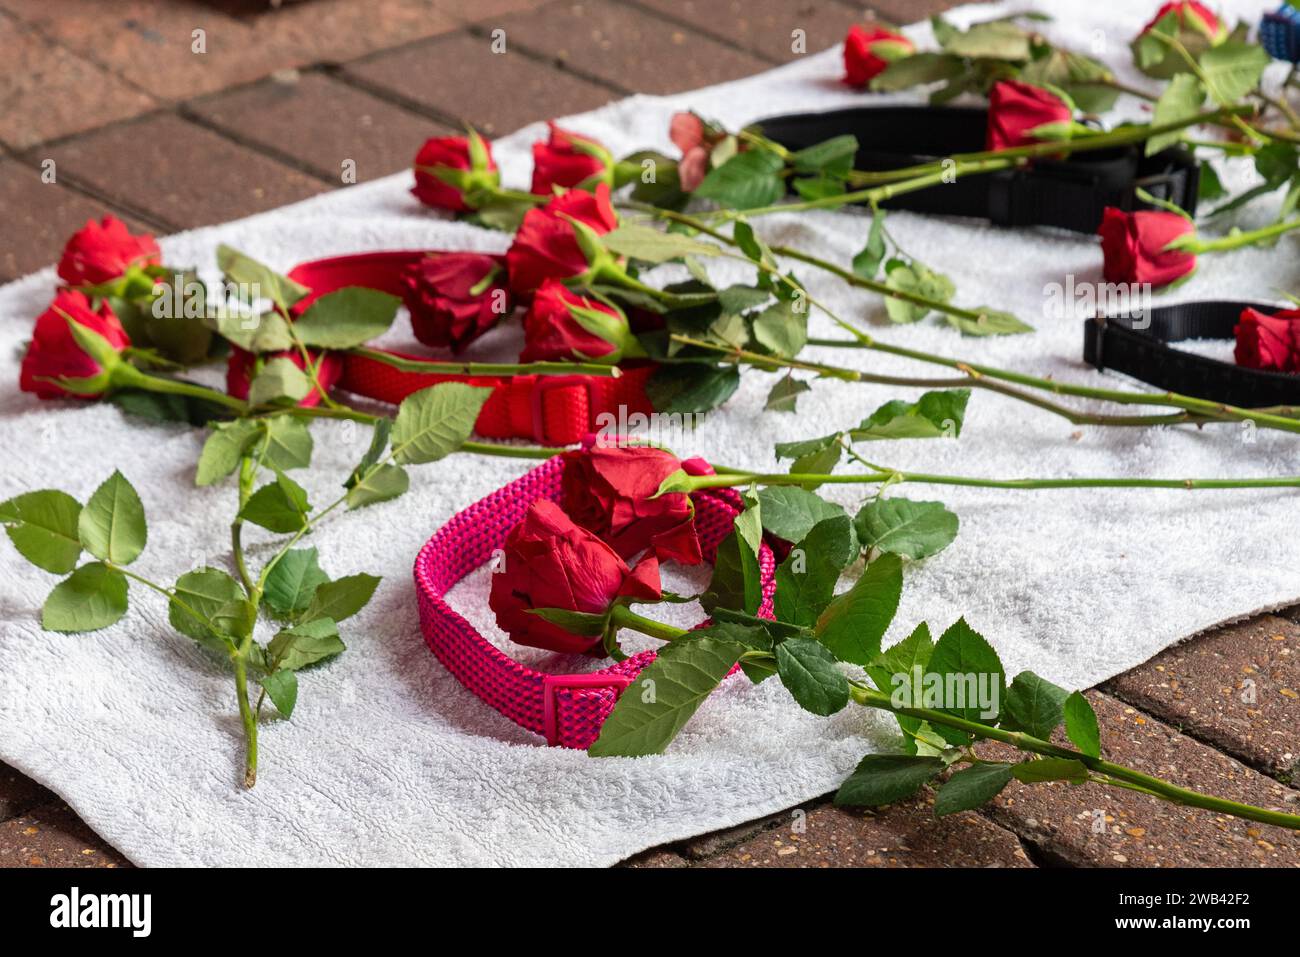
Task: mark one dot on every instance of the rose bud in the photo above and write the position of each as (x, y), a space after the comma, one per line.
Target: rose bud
(454, 298)
(548, 245)
(570, 160)
(868, 50)
(1133, 245)
(563, 326)
(1269, 342)
(242, 367)
(74, 349)
(611, 491)
(1017, 111)
(549, 562)
(451, 170)
(100, 253)
(687, 133)
(1192, 24)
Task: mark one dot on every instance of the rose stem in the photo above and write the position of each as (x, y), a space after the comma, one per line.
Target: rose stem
(731, 478)
(488, 368)
(1123, 776)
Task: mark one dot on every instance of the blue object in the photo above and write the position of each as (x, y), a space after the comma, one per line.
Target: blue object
(1279, 33)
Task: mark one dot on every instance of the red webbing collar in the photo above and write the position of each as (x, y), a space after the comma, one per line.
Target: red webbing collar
(551, 410)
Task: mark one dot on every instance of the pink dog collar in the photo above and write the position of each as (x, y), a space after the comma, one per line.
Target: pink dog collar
(567, 709)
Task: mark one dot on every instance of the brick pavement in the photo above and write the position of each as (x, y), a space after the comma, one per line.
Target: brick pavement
(141, 122)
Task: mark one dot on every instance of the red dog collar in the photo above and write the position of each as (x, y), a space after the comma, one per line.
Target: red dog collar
(551, 410)
(567, 709)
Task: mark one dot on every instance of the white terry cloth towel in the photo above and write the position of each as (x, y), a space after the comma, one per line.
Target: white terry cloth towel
(389, 761)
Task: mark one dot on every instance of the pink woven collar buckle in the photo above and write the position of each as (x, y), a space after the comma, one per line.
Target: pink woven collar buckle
(567, 710)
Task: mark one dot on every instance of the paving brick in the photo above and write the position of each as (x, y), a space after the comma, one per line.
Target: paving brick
(19, 793)
(460, 78)
(1092, 825)
(1237, 688)
(39, 217)
(763, 26)
(52, 836)
(180, 173)
(48, 92)
(319, 122)
(655, 858)
(900, 12)
(150, 43)
(627, 48)
(901, 835)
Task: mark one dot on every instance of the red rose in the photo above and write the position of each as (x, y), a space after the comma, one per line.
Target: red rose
(240, 371)
(1016, 109)
(562, 326)
(1269, 342)
(1134, 246)
(100, 252)
(1193, 16)
(868, 50)
(611, 491)
(454, 298)
(55, 352)
(447, 169)
(569, 160)
(549, 562)
(546, 246)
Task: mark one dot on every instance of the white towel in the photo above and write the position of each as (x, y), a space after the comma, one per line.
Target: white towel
(389, 761)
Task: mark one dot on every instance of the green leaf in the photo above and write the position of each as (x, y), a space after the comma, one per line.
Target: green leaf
(280, 506)
(971, 788)
(43, 527)
(780, 330)
(1035, 704)
(989, 322)
(288, 444)
(934, 415)
(205, 592)
(587, 624)
(293, 580)
(835, 154)
(992, 40)
(346, 318)
(224, 448)
(854, 622)
(243, 269)
(342, 598)
(664, 695)
(919, 280)
(1232, 69)
(735, 583)
(1081, 725)
(691, 387)
(916, 70)
(1181, 99)
(651, 245)
(805, 581)
(812, 676)
(790, 512)
(914, 530)
(962, 652)
(303, 645)
(867, 263)
(1050, 769)
(386, 482)
(885, 778)
(280, 382)
(746, 181)
(383, 429)
(436, 421)
(112, 526)
(902, 659)
(785, 394)
(282, 688)
(92, 597)
(737, 299)
(268, 332)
